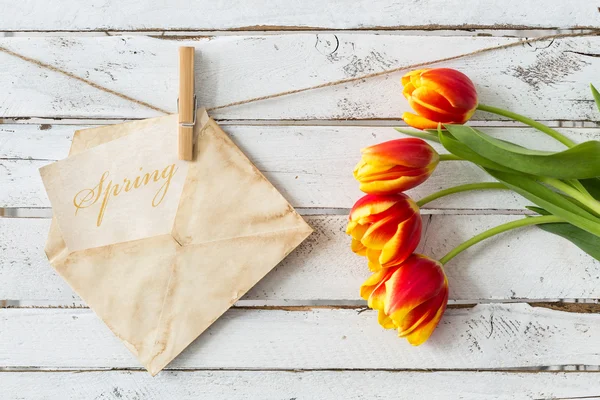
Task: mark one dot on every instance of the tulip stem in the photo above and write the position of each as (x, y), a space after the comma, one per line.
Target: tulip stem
(528, 121)
(584, 198)
(546, 219)
(450, 157)
(460, 188)
(419, 134)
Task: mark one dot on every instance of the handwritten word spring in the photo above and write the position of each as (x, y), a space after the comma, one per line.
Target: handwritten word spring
(106, 189)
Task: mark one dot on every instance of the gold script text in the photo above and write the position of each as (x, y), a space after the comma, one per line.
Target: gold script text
(105, 189)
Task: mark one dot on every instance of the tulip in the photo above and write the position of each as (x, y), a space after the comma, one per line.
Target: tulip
(385, 229)
(395, 166)
(438, 95)
(410, 297)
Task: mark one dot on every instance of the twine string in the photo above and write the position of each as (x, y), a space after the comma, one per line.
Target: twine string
(594, 32)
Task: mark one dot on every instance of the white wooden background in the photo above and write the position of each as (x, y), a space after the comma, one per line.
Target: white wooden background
(524, 322)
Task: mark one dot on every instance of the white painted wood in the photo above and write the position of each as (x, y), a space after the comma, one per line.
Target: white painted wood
(487, 336)
(299, 385)
(522, 264)
(72, 15)
(547, 80)
(311, 165)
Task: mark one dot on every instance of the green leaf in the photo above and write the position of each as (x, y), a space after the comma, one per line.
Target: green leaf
(579, 162)
(580, 238)
(550, 200)
(459, 149)
(592, 186)
(596, 96)
(538, 210)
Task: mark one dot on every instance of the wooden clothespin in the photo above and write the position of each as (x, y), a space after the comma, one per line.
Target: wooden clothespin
(186, 104)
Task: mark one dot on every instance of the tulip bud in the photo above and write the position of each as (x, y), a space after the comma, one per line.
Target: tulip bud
(395, 166)
(411, 297)
(385, 229)
(438, 95)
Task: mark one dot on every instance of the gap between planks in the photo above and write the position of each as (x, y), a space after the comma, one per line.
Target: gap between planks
(423, 30)
(581, 306)
(570, 368)
(46, 213)
(375, 122)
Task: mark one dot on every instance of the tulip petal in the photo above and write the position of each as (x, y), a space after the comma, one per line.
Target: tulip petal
(351, 226)
(386, 228)
(376, 285)
(427, 97)
(453, 85)
(424, 109)
(393, 172)
(408, 89)
(373, 255)
(408, 77)
(419, 122)
(374, 266)
(371, 204)
(418, 279)
(409, 152)
(374, 169)
(358, 248)
(422, 314)
(358, 231)
(419, 336)
(393, 185)
(415, 77)
(385, 321)
(403, 243)
(380, 232)
(371, 283)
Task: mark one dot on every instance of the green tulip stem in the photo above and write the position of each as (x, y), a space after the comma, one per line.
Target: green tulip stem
(577, 185)
(460, 188)
(419, 134)
(528, 121)
(546, 219)
(450, 157)
(583, 198)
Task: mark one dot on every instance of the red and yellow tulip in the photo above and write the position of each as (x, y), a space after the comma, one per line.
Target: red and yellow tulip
(410, 297)
(385, 229)
(438, 95)
(395, 166)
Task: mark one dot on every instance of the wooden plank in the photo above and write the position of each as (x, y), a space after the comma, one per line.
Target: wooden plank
(71, 15)
(65, 77)
(300, 385)
(487, 336)
(522, 264)
(311, 165)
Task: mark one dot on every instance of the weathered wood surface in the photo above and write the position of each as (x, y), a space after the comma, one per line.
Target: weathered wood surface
(97, 15)
(64, 77)
(523, 264)
(299, 385)
(486, 336)
(312, 165)
(126, 77)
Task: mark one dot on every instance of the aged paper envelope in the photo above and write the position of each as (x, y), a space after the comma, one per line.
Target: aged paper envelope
(158, 293)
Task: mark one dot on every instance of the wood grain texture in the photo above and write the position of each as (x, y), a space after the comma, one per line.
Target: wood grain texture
(522, 264)
(299, 385)
(102, 15)
(64, 76)
(487, 336)
(312, 166)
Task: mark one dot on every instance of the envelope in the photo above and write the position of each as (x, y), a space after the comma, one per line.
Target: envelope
(157, 293)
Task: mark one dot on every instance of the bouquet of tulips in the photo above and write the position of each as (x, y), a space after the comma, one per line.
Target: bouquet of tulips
(410, 291)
